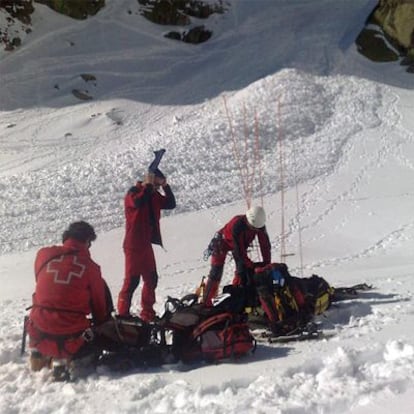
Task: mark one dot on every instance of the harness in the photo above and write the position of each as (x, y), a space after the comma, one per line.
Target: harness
(60, 339)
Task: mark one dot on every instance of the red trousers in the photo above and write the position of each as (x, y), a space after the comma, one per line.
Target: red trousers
(56, 346)
(216, 273)
(139, 263)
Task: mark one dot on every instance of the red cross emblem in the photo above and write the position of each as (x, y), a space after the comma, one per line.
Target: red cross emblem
(65, 277)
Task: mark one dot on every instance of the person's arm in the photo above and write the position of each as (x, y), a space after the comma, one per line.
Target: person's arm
(101, 299)
(140, 194)
(169, 202)
(168, 199)
(239, 248)
(265, 246)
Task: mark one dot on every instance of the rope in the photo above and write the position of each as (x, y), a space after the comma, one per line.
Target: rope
(257, 161)
(282, 185)
(247, 157)
(248, 175)
(236, 152)
(258, 158)
(298, 213)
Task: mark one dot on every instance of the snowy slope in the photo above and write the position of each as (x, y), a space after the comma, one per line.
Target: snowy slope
(288, 69)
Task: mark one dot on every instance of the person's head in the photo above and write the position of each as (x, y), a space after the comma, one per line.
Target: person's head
(256, 217)
(156, 178)
(80, 231)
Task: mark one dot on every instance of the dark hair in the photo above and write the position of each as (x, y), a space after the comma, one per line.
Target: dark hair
(80, 231)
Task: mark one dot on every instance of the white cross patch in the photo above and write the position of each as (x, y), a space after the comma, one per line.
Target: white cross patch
(63, 277)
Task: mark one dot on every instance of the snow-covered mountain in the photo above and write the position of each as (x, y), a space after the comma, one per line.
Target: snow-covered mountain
(284, 72)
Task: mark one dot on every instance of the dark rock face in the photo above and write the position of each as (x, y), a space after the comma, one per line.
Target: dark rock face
(18, 9)
(195, 35)
(18, 22)
(77, 9)
(179, 13)
(18, 16)
(163, 12)
(389, 32)
(371, 43)
(396, 17)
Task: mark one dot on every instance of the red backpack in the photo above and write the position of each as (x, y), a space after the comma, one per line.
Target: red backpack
(207, 333)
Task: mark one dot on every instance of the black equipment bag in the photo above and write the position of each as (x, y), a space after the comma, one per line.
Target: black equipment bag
(206, 333)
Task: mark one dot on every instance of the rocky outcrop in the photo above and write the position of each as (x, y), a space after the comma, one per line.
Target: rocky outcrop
(373, 44)
(18, 9)
(198, 34)
(15, 16)
(396, 17)
(387, 36)
(17, 20)
(77, 9)
(163, 12)
(179, 13)
(389, 33)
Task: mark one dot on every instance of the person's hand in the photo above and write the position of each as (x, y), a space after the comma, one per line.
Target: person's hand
(281, 267)
(160, 181)
(149, 178)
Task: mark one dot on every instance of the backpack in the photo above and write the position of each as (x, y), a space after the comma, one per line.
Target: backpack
(132, 332)
(314, 294)
(296, 300)
(127, 343)
(206, 333)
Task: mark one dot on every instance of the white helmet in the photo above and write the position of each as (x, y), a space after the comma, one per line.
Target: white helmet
(256, 217)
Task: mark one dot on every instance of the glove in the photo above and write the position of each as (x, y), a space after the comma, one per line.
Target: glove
(282, 268)
(160, 181)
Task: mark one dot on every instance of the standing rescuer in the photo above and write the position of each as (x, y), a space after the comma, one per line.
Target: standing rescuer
(143, 204)
(236, 236)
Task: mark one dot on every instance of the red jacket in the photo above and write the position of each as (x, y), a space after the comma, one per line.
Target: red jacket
(237, 237)
(143, 208)
(69, 287)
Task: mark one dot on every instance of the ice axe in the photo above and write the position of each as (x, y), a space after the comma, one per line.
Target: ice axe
(24, 334)
(154, 165)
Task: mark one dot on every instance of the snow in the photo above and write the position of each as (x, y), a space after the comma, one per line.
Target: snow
(287, 69)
